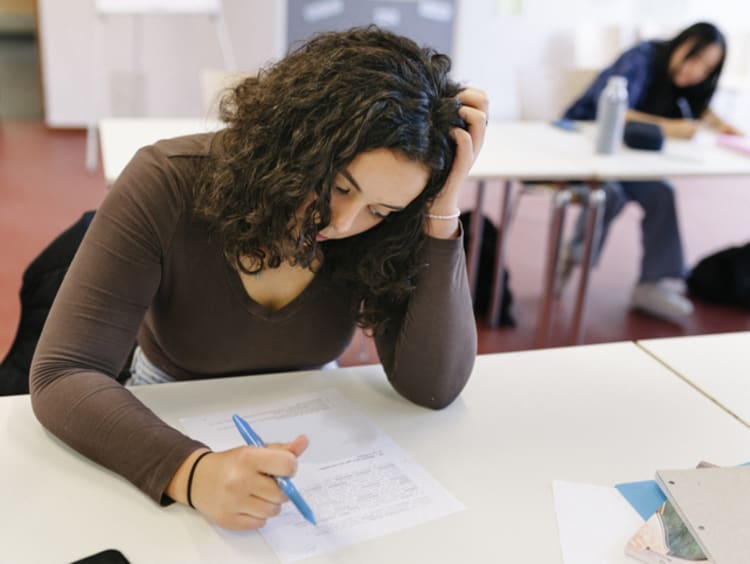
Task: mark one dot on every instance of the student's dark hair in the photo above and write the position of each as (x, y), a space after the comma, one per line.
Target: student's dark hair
(702, 34)
(299, 122)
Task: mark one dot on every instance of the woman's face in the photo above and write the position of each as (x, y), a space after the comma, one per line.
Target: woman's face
(689, 72)
(375, 184)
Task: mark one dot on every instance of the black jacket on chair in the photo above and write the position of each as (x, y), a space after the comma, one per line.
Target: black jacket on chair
(41, 280)
(485, 272)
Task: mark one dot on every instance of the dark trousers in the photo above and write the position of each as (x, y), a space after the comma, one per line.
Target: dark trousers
(660, 232)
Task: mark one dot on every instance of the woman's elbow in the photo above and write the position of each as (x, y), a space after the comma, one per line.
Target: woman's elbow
(443, 387)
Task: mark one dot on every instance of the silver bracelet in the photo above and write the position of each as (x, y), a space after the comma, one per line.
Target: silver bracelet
(455, 215)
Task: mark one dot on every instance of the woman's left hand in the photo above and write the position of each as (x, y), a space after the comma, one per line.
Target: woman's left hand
(474, 111)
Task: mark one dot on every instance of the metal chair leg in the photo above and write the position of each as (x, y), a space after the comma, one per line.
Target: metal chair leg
(475, 239)
(498, 288)
(557, 222)
(596, 199)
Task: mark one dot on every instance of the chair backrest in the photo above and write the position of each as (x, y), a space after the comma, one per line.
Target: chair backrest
(575, 83)
(545, 92)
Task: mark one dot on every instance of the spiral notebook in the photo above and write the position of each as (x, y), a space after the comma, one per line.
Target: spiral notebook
(714, 504)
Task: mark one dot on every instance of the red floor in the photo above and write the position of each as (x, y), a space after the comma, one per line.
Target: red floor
(44, 188)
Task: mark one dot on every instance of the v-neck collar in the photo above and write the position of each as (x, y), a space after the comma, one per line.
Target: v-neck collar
(249, 304)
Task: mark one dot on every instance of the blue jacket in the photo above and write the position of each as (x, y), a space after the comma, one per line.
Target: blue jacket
(637, 65)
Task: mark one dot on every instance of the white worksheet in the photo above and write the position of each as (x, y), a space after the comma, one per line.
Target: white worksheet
(358, 482)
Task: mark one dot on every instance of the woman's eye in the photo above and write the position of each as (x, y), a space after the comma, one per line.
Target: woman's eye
(378, 214)
(342, 190)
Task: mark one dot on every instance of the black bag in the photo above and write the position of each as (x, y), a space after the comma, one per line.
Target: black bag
(41, 280)
(723, 278)
(485, 272)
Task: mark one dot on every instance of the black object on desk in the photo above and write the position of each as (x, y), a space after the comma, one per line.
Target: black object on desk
(109, 556)
(642, 135)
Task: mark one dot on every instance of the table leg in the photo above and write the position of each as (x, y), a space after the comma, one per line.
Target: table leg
(594, 215)
(560, 203)
(498, 288)
(475, 239)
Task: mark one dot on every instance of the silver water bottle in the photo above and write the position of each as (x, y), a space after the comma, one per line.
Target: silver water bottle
(610, 115)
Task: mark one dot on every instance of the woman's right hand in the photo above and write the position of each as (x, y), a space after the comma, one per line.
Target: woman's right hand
(680, 128)
(235, 488)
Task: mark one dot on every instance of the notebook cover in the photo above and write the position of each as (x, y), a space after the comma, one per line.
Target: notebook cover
(714, 504)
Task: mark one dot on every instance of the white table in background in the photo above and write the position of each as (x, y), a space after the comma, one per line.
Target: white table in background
(120, 138)
(538, 151)
(717, 365)
(526, 150)
(599, 414)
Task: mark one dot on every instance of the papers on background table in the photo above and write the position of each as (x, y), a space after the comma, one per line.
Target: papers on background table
(595, 523)
(737, 143)
(359, 483)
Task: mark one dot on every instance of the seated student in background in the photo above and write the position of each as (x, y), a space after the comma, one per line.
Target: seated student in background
(329, 201)
(670, 83)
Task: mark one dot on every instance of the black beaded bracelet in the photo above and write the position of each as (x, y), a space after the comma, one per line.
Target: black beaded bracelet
(190, 478)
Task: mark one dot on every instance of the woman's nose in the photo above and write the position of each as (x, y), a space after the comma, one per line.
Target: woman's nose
(343, 216)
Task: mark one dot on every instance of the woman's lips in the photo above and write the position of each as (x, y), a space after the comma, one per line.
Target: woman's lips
(321, 237)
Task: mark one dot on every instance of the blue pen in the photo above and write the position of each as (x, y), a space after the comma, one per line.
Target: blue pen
(684, 107)
(252, 438)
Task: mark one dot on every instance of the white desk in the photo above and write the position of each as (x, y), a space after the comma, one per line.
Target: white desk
(524, 151)
(120, 138)
(717, 365)
(599, 414)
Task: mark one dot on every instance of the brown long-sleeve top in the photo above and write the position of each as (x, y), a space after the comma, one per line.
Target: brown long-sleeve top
(148, 270)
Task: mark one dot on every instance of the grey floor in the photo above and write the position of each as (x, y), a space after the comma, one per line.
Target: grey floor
(20, 91)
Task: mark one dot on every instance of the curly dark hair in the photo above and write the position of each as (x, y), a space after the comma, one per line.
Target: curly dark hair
(295, 125)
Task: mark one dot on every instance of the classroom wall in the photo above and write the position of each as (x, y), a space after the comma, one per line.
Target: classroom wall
(531, 56)
(158, 75)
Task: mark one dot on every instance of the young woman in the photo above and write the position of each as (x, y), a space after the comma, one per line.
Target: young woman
(670, 83)
(330, 200)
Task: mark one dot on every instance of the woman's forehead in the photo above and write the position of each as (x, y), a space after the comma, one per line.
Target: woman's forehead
(712, 52)
(386, 175)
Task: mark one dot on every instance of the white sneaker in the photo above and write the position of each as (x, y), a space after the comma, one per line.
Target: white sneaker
(659, 300)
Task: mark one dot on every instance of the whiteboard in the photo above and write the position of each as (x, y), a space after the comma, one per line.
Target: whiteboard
(158, 6)
(428, 22)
